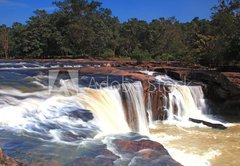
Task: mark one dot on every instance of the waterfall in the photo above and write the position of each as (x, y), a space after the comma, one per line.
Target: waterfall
(120, 109)
(149, 110)
(136, 105)
(81, 113)
(106, 106)
(198, 96)
(181, 103)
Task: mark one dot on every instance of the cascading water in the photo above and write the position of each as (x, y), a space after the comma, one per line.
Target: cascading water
(182, 104)
(68, 122)
(107, 109)
(198, 96)
(53, 115)
(136, 105)
(149, 111)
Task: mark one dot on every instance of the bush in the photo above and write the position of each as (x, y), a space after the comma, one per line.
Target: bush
(141, 55)
(108, 53)
(164, 57)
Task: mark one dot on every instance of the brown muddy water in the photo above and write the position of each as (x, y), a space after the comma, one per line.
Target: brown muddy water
(200, 146)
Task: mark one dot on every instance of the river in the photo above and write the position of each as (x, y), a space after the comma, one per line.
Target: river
(38, 123)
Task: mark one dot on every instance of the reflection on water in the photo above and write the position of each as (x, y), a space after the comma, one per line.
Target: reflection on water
(200, 146)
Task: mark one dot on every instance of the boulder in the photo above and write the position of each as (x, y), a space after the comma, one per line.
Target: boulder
(144, 153)
(131, 147)
(149, 157)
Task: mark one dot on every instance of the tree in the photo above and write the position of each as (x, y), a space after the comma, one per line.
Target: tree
(82, 28)
(167, 39)
(225, 22)
(4, 40)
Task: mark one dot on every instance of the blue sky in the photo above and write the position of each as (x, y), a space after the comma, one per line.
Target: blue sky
(184, 10)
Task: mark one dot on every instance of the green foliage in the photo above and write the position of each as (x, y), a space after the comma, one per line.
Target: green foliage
(82, 28)
(140, 55)
(108, 53)
(4, 41)
(164, 57)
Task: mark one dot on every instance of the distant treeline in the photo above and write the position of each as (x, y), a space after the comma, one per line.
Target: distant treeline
(81, 28)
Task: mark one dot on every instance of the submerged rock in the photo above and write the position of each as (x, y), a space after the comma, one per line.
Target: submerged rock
(99, 160)
(101, 157)
(41, 163)
(85, 115)
(209, 124)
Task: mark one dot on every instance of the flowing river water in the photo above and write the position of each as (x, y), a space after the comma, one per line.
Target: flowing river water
(36, 123)
(199, 145)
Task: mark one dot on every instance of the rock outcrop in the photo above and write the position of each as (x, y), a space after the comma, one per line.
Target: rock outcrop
(144, 153)
(223, 90)
(8, 161)
(128, 152)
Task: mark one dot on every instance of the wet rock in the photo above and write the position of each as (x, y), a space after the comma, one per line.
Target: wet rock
(102, 157)
(114, 71)
(85, 115)
(131, 115)
(135, 146)
(231, 107)
(233, 77)
(41, 163)
(209, 124)
(148, 157)
(8, 161)
(98, 161)
(229, 69)
(1, 155)
(144, 153)
(157, 98)
(223, 90)
(177, 73)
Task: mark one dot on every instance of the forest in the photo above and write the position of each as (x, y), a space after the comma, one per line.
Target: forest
(84, 29)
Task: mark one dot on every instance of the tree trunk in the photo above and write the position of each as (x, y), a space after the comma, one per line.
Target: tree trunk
(6, 54)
